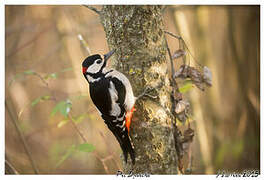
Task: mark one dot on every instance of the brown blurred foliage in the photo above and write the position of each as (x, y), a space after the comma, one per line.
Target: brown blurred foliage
(43, 39)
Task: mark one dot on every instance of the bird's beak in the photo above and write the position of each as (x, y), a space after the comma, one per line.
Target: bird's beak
(108, 55)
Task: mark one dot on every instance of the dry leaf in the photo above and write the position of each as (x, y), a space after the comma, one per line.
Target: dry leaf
(182, 106)
(198, 78)
(207, 76)
(188, 135)
(179, 53)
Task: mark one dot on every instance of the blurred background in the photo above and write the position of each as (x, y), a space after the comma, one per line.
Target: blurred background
(43, 81)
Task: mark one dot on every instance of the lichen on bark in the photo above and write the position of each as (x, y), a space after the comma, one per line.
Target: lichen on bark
(136, 33)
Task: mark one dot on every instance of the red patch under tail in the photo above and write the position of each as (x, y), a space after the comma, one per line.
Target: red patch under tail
(129, 118)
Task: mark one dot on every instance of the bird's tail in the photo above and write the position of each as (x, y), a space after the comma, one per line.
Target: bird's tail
(127, 148)
(122, 136)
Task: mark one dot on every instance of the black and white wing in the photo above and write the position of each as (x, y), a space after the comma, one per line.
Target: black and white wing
(109, 98)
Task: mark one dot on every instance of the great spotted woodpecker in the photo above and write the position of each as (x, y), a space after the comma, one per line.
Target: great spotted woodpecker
(112, 94)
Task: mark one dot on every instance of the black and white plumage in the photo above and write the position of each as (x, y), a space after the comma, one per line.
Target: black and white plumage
(112, 94)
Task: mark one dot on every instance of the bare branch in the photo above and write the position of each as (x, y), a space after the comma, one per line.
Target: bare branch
(109, 150)
(172, 67)
(46, 84)
(80, 133)
(80, 37)
(102, 161)
(36, 171)
(92, 8)
(171, 34)
(185, 45)
(174, 90)
(10, 168)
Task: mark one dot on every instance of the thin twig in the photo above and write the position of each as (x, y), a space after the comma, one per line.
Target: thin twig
(85, 140)
(9, 167)
(69, 115)
(102, 161)
(73, 124)
(42, 79)
(93, 9)
(175, 129)
(170, 33)
(22, 139)
(172, 68)
(46, 84)
(181, 39)
(76, 128)
(174, 89)
(55, 99)
(109, 150)
(80, 37)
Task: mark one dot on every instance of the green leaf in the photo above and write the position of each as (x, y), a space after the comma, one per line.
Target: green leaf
(47, 97)
(79, 118)
(36, 101)
(63, 107)
(85, 147)
(29, 72)
(19, 75)
(57, 108)
(186, 87)
(52, 75)
(40, 99)
(68, 153)
(67, 69)
(62, 123)
(66, 109)
(81, 147)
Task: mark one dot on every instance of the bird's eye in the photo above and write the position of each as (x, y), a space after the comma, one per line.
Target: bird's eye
(99, 61)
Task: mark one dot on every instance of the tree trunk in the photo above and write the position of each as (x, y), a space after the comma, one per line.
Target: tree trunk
(136, 32)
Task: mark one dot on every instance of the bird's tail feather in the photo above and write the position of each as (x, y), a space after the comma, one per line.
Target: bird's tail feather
(123, 139)
(127, 148)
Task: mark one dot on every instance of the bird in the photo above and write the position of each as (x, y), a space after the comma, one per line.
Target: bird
(112, 94)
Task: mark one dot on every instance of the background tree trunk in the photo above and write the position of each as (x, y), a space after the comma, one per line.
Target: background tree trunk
(136, 32)
(231, 50)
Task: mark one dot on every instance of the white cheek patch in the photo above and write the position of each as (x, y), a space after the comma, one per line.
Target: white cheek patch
(94, 68)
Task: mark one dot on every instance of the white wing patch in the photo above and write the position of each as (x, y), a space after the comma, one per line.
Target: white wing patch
(129, 98)
(115, 109)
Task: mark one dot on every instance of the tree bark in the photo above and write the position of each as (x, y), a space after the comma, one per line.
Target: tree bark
(136, 33)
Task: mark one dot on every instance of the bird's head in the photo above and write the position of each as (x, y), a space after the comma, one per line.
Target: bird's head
(94, 64)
